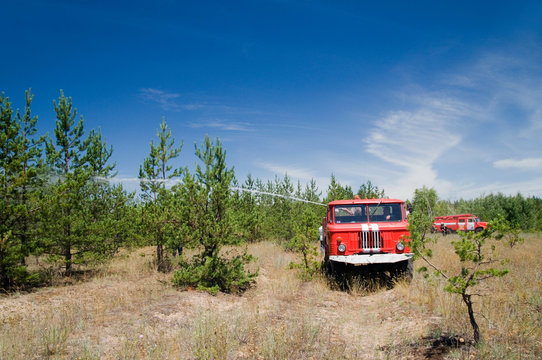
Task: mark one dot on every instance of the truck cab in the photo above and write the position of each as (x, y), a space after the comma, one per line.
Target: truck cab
(366, 232)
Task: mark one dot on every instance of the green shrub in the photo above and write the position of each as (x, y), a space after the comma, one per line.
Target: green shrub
(216, 274)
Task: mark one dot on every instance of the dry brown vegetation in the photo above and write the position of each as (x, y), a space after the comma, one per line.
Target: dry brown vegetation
(128, 311)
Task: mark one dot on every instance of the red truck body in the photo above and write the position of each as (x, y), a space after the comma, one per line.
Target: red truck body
(366, 231)
(455, 223)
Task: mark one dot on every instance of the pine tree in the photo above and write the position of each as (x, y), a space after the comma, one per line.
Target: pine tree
(246, 212)
(369, 191)
(425, 201)
(66, 157)
(11, 252)
(205, 199)
(305, 240)
(29, 153)
(154, 173)
(337, 192)
(19, 164)
(106, 207)
(480, 255)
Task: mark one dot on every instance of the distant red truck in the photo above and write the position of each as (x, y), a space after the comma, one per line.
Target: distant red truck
(366, 232)
(454, 223)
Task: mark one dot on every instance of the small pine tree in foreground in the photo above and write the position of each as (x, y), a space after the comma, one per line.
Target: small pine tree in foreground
(478, 254)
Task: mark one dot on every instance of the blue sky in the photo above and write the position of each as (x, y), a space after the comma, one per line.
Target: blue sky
(446, 94)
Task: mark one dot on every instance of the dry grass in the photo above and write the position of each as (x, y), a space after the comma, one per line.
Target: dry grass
(128, 311)
(509, 310)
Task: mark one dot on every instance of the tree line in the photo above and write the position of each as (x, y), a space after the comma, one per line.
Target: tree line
(58, 209)
(521, 212)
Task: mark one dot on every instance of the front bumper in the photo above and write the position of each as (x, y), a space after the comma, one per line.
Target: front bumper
(366, 259)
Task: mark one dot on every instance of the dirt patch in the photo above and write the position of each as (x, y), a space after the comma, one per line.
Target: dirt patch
(129, 313)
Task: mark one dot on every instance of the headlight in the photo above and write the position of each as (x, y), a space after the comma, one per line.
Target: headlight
(341, 248)
(400, 246)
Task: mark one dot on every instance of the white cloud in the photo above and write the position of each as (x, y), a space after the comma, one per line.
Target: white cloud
(413, 141)
(524, 164)
(506, 78)
(531, 187)
(224, 125)
(498, 95)
(304, 175)
(166, 101)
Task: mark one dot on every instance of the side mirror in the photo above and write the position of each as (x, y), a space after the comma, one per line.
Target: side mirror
(409, 208)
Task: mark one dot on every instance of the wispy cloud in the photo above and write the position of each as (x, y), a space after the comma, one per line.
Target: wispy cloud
(304, 175)
(223, 125)
(412, 141)
(524, 164)
(166, 101)
(506, 79)
(292, 171)
(531, 187)
(489, 107)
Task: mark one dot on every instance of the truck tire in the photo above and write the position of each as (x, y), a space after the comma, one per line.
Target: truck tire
(334, 268)
(478, 229)
(405, 270)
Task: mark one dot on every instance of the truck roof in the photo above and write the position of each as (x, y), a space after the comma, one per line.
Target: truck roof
(454, 216)
(365, 201)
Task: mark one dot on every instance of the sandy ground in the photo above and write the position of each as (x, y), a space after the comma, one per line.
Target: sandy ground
(129, 313)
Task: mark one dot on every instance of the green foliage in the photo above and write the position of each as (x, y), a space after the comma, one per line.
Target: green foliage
(338, 192)
(479, 257)
(64, 210)
(97, 155)
(246, 213)
(158, 215)
(203, 200)
(369, 191)
(156, 168)
(12, 273)
(279, 210)
(525, 213)
(477, 253)
(419, 226)
(82, 218)
(19, 166)
(216, 274)
(65, 225)
(305, 241)
(67, 156)
(425, 201)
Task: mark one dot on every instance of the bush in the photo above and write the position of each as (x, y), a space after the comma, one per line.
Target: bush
(216, 274)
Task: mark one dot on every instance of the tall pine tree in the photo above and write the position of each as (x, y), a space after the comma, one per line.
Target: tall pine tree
(20, 162)
(66, 157)
(204, 200)
(154, 173)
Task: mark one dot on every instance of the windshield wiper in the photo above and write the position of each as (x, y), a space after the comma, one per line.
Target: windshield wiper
(376, 207)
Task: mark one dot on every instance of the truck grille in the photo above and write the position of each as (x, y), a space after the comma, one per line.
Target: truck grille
(370, 240)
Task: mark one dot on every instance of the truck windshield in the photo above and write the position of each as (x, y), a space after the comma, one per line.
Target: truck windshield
(350, 214)
(385, 212)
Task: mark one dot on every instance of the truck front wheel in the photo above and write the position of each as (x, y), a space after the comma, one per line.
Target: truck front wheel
(405, 270)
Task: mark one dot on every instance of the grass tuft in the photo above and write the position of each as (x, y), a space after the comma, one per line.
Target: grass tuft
(126, 310)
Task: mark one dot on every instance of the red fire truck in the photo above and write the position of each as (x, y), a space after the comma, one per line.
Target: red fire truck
(366, 232)
(454, 223)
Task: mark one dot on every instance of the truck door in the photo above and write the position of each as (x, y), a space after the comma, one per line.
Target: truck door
(470, 224)
(461, 224)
